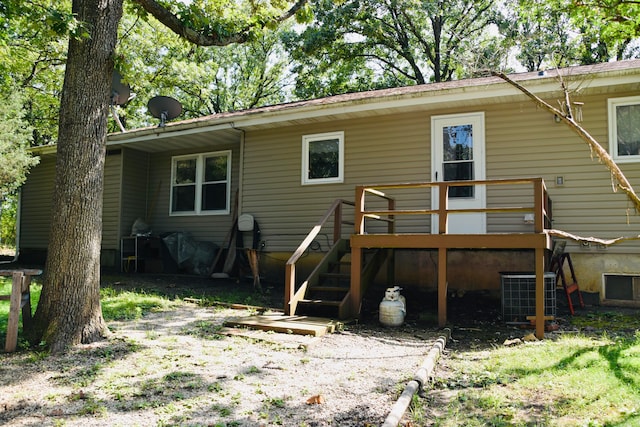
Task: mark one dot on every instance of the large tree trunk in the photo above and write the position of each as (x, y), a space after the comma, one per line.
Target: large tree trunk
(69, 310)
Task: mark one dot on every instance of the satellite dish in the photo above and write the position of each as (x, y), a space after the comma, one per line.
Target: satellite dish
(120, 92)
(164, 108)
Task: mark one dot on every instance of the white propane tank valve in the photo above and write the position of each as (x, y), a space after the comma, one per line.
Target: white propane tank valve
(393, 307)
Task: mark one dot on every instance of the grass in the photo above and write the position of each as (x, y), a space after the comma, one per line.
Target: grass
(570, 381)
(116, 304)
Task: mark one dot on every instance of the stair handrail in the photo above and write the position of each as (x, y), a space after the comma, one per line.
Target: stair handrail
(291, 296)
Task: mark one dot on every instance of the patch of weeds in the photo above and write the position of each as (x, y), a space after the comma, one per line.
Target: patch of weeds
(131, 305)
(215, 387)
(417, 410)
(145, 404)
(236, 399)
(253, 370)
(36, 356)
(276, 402)
(182, 381)
(223, 411)
(205, 329)
(167, 409)
(93, 407)
(81, 377)
(52, 397)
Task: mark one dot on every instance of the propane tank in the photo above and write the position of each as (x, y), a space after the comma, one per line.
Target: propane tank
(392, 307)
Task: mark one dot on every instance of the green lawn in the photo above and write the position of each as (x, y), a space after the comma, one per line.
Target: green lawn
(568, 379)
(564, 380)
(116, 304)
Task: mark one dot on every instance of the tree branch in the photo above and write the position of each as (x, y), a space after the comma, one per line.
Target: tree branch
(214, 39)
(622, 182)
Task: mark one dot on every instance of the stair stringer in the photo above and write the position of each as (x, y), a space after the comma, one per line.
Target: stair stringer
(333, 255)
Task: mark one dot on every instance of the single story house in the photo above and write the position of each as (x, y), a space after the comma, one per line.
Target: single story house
(286, 164)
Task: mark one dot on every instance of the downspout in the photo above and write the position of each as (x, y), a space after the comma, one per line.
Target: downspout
(240, 167)
(18, 209)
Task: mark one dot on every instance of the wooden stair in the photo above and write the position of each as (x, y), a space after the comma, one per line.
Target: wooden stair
(326, 295)
(328, 289)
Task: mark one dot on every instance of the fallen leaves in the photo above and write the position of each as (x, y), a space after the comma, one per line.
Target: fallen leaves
(318, 399)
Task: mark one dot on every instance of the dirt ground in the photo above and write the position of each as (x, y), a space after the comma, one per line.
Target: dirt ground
(183, 367)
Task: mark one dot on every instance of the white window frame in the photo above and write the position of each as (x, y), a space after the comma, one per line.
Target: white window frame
(613, 128)
(200, 157)
(306, 140)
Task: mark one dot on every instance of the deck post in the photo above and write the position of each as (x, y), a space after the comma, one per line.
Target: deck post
(538, 205)
(11, 341)
(443, 207)
(289, 289)
(540, 293)
(337, 223)
(442, 287)
(356, 285)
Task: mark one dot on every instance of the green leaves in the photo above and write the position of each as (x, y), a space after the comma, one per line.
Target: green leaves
(15, 135)
(358, 45)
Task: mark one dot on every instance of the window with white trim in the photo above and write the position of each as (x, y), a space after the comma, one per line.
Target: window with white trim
(624, 128)
(200, 184)
(323, 158)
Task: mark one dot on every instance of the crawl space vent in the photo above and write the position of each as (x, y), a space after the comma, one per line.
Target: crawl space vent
(621, 287)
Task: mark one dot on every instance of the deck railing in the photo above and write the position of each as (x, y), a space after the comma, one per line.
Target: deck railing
(541, 206)
(293, 294)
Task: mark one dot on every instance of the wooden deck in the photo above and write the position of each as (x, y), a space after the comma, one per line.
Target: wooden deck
(539, 240)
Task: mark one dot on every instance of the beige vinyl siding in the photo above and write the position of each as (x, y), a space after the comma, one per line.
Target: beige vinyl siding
(212, 228)
(37, 195)
(135, 194)
(386, 149)
(35, 204)
(523, 140)
(111, 200)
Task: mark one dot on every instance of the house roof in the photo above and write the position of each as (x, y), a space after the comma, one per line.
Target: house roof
(474, 91)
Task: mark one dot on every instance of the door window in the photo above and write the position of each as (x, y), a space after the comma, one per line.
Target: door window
(457, 158)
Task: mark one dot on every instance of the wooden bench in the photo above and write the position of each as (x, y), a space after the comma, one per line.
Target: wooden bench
(20, 298)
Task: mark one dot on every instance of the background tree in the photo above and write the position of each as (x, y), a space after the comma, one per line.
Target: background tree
(353, 45)
(539, 33)
(15, 135)
(607, 28)
(15, 161)
(69, 310)
(552, 33)
(155, 61)
(32, 57)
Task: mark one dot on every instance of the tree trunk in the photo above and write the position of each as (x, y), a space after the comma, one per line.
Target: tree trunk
(69, 310)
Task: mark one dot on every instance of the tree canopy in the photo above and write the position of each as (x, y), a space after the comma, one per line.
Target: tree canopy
(355, 44)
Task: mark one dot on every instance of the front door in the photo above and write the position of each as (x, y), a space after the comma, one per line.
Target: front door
(458, 155)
